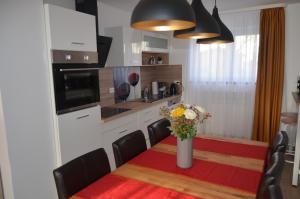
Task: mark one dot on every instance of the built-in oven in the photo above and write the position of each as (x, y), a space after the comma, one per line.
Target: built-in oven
(76, 80)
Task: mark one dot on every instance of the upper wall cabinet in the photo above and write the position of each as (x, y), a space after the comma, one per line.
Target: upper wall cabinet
(125, 48)
(155, 42)
(70, 30)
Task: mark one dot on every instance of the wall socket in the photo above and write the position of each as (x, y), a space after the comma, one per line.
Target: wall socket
(111, 90)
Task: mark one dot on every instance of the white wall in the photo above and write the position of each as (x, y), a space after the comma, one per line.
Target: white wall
(109, 16)
(292, 56)
(179, 54)
(24, 78)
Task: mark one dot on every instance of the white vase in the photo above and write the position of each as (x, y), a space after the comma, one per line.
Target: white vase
(185, 153)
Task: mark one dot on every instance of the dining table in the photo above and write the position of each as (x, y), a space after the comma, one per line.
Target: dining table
(223, 168)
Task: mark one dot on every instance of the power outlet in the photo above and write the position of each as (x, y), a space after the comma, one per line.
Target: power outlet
(111, 90)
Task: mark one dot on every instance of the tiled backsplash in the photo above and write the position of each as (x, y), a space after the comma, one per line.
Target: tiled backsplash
(106, 83)
(110, 78)
(167, 74)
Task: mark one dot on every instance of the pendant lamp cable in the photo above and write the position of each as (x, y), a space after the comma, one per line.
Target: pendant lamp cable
(215, 3)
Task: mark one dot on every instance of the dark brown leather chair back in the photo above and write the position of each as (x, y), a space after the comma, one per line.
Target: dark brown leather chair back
(280, 142)
(128, 147)
(70, 178)
(96, 164)
(158, 131)
(274, 192)
(276, 168)
(80, 172)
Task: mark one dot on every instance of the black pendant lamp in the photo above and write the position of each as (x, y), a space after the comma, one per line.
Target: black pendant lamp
(163, 15)
(206, 25)
(226, 35)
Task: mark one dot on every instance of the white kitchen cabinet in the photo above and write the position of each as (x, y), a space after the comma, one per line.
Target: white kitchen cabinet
(70, 30)
(79, 133)
(155, 42)
(125, 48)
(111, 131)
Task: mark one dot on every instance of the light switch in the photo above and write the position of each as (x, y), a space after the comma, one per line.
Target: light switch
(111, 90)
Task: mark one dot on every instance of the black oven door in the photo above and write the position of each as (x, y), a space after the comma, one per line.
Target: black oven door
(76, 86)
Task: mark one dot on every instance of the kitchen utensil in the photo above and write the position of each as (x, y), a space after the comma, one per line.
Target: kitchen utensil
(154, 88)
(173, 89)
(162, 92)
(146, 94)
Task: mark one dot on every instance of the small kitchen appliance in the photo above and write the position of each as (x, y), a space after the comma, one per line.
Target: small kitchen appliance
(173, 89)
(154, 88)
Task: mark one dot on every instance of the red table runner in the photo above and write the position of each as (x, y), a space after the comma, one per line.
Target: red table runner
(154, 173)
(223, 147)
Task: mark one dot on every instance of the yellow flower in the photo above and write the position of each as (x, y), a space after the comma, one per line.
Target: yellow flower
(178, 112)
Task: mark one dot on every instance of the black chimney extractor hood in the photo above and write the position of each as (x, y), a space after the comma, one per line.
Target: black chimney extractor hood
(103, 42)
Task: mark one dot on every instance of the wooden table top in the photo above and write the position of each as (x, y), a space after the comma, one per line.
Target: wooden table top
(222, 169)
(296, 97)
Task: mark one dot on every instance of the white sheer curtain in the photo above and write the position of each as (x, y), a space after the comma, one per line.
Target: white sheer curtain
(222, 77)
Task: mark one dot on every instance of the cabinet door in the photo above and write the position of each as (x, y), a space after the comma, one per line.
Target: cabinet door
(79, 133)
(132, 47)
(70, 30)
(155, 42)
(114, 130)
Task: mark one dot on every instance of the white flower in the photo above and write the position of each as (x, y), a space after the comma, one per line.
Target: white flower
(188, 106)
(200, 109)
(190, 114)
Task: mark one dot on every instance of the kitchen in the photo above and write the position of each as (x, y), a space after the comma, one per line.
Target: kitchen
(134, 83)
(131, 89)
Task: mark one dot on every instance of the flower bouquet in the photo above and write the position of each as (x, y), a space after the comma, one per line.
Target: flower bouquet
(184, 120)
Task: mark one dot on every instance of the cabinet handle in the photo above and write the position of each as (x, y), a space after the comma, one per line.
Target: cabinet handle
(84, 116)
(123, 131)
(78, 43)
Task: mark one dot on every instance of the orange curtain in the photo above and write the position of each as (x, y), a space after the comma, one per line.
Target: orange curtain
(269, 87)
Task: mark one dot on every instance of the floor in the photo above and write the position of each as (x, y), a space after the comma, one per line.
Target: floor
(289, 192)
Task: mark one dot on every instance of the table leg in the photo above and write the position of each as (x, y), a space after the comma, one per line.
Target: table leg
(297, 153)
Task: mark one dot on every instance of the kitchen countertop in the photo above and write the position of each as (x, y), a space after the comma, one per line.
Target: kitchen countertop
(136, 106)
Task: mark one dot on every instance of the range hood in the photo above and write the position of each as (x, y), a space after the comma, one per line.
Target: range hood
(103, 42)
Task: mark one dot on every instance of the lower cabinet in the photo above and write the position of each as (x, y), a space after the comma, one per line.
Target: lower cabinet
(82, 131)
(116, 129)
(111, 131)
(79, 133)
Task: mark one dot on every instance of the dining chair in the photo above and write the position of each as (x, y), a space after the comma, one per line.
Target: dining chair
(280, 142)
(274, 192)
(273, 174)
(80, 172)
(276, 168)
(158, 131)
(129, 146)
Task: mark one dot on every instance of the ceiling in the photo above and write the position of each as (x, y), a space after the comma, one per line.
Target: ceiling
(223, 5)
